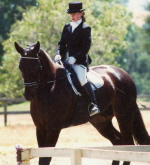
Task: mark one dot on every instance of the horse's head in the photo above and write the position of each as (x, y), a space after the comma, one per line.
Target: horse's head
(30, 67)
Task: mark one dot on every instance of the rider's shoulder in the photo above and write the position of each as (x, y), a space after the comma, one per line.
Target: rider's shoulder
(85, 25)
(67, 24)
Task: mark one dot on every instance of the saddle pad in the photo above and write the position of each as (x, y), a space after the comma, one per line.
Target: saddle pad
(95, 79)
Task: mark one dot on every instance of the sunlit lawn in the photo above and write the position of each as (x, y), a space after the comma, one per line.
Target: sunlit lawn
(24, 106)
(17, 107)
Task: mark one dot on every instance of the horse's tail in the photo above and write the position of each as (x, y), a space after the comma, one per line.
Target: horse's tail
(139, 131)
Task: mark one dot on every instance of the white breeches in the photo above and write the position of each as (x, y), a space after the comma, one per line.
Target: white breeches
(81, 72)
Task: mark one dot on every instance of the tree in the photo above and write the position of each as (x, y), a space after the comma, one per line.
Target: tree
(110, 23)
(146, 28)
(10, 11)
(45, 23)
(135, 59)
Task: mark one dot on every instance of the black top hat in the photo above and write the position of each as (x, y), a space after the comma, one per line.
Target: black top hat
(75, 7)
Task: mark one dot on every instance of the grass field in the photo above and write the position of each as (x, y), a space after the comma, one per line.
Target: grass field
(21, 130)
(17, 107)
(26, 105)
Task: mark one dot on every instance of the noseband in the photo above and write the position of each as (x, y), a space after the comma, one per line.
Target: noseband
(36, 83)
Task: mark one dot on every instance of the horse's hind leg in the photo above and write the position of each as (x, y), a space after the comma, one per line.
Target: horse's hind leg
(125, 125)
(103, 123)
(124, 112)
(105, 128)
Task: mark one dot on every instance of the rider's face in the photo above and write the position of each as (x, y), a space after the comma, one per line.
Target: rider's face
(76, 16)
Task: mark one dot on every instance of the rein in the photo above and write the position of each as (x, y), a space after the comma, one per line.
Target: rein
(36, 83)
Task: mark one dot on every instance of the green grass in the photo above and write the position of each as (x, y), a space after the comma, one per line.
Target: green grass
(26, 106)
(17, 107)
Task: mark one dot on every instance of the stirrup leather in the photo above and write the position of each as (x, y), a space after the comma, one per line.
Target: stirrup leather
(93, 109)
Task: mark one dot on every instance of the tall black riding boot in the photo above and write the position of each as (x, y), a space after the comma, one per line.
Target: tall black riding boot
(93, 108)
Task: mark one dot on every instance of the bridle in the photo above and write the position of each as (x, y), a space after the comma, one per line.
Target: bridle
(35, 83)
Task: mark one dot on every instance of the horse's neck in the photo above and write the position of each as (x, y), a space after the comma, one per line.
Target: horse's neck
(48, 67)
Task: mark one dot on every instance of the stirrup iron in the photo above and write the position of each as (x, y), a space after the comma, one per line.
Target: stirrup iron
(93, 109)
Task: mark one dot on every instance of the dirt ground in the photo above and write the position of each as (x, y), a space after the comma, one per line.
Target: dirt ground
(20, 130)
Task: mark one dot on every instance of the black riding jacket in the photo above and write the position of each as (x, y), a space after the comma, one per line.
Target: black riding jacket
(76, 43)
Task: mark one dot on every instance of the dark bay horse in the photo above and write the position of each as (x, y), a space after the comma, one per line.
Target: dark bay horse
(55, 106)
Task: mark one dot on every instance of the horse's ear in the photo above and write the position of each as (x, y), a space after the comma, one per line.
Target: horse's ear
(19, 48)
(36, 48)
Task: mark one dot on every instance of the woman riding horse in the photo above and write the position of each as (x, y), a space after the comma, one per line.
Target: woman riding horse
(55, 106)
(73, 47)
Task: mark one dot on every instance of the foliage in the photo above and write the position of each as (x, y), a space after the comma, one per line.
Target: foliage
(10, 11)
(146, 31)
(109, 23)
(135, 59)
(143, 61)
(110, 28)
(140, 55)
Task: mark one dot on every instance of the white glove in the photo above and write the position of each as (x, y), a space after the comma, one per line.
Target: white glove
(71, 60)
(57, 58)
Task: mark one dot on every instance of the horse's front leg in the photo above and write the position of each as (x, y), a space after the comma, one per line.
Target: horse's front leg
(46, 138)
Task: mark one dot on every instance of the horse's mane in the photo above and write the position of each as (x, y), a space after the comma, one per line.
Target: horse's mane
(46, 60)
(41, 53)
(44, 53)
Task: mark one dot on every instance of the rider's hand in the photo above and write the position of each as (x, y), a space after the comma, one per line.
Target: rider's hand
(71, 60)
(57, 58)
